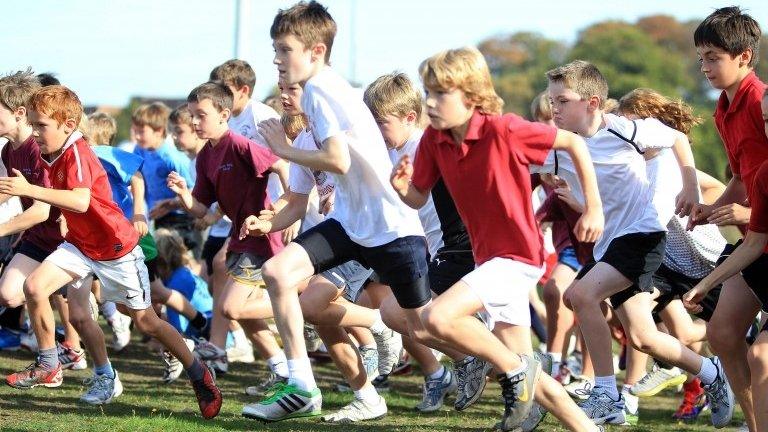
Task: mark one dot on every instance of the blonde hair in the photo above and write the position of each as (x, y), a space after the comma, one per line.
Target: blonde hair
(541, 108)
(582, 77)
(647, 103)
(464, 69)
(393, 94)
(611, 106)
(154, 115)
(17, 89)
(274, 103)
(102, 128)
(171, 252)
(293, 124)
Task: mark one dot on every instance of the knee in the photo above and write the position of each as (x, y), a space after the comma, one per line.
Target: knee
(78, 318)
(641, 340)
(9, 301)
(230, 311)
(435, 322)
(271, 274)
(578, 298)
(34, 290)
(147, 322)
(310, 310)
(721, 338)
(758, 358)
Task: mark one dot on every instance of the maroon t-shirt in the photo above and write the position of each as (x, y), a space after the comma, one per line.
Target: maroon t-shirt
(234, 172)
(26, 158)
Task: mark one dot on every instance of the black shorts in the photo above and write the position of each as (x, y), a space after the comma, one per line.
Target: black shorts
(401, 263)
(636, 256)
(151, 269)
(755, 274)
(673, 285)
(184, 225)
(32, 251)
(448, 268)
(211, 247)
(6, 249)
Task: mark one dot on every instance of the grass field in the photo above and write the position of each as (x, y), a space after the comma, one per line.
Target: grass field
(149, 405)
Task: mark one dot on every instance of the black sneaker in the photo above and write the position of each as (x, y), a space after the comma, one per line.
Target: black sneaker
(518, 392)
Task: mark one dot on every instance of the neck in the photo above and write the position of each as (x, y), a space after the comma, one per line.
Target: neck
(731, 91)
(411, 129)
(193, 153)
(316, 69)
(458, 133)
(594, 123)
(236, 111)
(215, 140)
(20, 135)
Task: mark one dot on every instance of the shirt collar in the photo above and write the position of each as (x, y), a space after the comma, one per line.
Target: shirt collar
(722, 103)
(76, 135)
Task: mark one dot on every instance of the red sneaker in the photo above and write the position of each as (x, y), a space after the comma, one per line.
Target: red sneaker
(34, 375)
(694, 402)
(208, 395)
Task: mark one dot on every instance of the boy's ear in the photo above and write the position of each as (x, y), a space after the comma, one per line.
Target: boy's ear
(411, 116)
(21, 112)
(745, 57)
(225, 114)
(593, 103)
(318, 51)
(245, 89)
(69, 125)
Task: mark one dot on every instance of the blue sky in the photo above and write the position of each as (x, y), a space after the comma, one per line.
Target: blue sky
(108, 51)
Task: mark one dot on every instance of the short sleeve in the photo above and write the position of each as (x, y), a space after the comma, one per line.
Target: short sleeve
(203, 190)
(180, 164)
(758, 221)
(653, 134)
(324, 121)
(531, 141)
(260, 158)
(426, 172)
(301, 180)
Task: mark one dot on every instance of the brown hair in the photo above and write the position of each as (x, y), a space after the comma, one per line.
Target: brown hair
(541, 107)
(293, 125)
(464, 69)
(172, 253)
(309, 22)
(216, 91)
(180, 116)
(58, 103)
(17, 88)
(154, 115)
(647, 103)
(102, 128)
(235, 73)
(393, 94)
(582, 77)
(732, 31)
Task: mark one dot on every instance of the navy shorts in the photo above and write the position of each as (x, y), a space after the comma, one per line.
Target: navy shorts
(673, 285)
(447, 268)
(568, 257)
(401, 263)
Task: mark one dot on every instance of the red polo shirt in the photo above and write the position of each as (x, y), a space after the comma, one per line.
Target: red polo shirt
(740, 124)
(758, 221)
(488, 178)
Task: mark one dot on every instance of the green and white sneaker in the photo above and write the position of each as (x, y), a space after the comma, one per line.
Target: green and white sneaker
(285, 401)
(358, 410)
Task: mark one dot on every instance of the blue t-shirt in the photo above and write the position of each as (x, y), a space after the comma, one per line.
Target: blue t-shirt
(120, 166)
(195, 290)
(157, 165)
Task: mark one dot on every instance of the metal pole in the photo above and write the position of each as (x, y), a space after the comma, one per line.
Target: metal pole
(236, 52)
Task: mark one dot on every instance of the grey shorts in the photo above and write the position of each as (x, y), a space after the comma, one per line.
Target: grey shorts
(245, 267)
(349, 277)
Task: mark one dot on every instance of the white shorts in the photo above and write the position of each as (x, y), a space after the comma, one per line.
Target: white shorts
(124, 280)
(503, 284)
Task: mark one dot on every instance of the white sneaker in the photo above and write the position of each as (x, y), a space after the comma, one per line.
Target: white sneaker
(657, 380)
(121, 330)
(390, 345)
(102, 389)
(358, 410)
(173, 367)
(71, 358)
(241, 352)
(28, 341)
(580, 387)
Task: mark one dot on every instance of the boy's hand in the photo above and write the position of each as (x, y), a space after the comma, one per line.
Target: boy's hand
(267, 214)
(401, 175)
(590, 225)
(16, 185)
(140, 224)
(687, 201)
(176, 183)
(162, 208)
(699, 216)
(730, 214)
(273, 132)
(695, 295)
(253, 226)
(291, 232)
(566, 195)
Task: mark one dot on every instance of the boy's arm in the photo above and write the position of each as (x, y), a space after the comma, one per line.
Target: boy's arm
(178, 185)
(401, 182)
(590, 225)
(688, 199)
(139, 206)
(76, 200)
(37, 213)
(744, 255)
(281, 169)
(332, 156)
(735, 194)
(270, 221)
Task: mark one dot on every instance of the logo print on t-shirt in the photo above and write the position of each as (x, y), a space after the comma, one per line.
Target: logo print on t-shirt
(60, 175)
(245, 130)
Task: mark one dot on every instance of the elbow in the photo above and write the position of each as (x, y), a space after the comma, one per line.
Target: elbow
(82, 207)
(341, 167)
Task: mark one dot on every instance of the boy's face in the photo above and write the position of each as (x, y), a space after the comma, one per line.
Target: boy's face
(8, 121)
(720, 68)
(395, 130)
(184, 137)
(764, 106)
(290, 96)
(240, 98)
(295, 62)
(569, 110)
(146, 137)
(447, 109)
(207, 121)
(48, 133)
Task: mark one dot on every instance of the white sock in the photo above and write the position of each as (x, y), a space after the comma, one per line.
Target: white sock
(609, 384)
(367, 394)
(300, 374)
(708, 372)
(378, 325)
(278, 364)
(439, 373)
(108, 309)
(522, 367)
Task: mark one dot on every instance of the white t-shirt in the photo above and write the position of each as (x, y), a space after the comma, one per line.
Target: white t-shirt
(12, 207)
(427, 214)
(365, 204)
(622, 176)
(302, 180)
(245, 125)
